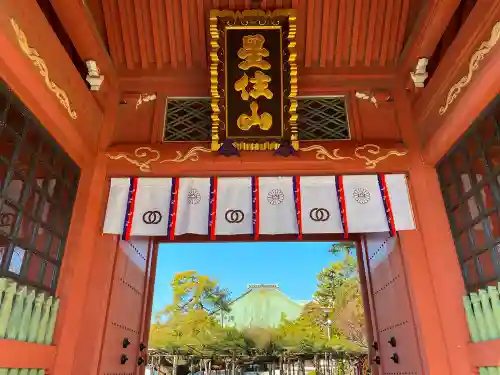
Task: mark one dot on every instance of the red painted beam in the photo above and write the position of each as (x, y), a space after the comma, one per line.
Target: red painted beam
(315, 158)
(195, 82)
(482, 90)
(18, 354)
(485, 354)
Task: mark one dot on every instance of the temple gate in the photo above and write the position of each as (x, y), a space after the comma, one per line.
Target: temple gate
(125, 91)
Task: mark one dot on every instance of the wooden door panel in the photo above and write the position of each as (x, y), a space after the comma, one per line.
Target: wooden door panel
(126, 305)
(391, 306)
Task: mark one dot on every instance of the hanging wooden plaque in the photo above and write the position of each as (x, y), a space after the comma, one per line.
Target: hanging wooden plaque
(253, 78)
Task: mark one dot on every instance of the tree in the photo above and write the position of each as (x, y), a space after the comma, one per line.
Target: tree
(339, 290)
(333, 278)
(310, 334)
(194, 291)
(342, 247)
(188, 324)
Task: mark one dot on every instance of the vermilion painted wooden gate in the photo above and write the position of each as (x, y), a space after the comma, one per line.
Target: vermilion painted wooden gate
(395, 342)
(122, 351)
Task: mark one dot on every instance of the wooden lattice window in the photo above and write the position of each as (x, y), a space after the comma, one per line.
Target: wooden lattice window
(470, 182)
(38, 183)
(323, 118)
(188, 120)
(319, 119)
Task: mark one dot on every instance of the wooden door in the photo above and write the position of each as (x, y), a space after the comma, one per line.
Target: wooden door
(125, 320)
(393, 324)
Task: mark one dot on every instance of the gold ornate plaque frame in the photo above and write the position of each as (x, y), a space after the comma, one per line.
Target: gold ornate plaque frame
(220, 21)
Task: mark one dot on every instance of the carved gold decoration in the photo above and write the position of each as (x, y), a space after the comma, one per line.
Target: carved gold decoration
(140, 157)
(257, 146)
(323, 154)
(34, 56)
(479, 55)
(367, 96)
(375, 150)
(214, 75)
(143, 157)
(214, 79)
(144, 98)
(191, 155)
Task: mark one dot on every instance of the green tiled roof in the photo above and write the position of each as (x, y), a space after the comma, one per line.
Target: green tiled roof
(261, 306)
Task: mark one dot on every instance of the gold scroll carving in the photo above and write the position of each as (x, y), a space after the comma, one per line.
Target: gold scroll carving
(370, 162)
(479, 55)
(34, 56)
(144, 157)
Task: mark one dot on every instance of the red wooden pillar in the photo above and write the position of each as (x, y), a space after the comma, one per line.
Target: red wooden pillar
(77, 266)
(434, 279)
(90, 267)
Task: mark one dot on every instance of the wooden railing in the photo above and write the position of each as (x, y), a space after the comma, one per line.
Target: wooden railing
(26, 315)
(482, 310)
(483, 314)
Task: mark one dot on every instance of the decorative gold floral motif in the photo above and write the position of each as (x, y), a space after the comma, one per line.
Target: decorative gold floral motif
(479, 55)
(323, 154)
(375, 150)
(34, 56)
(370, 163)
(143, 157)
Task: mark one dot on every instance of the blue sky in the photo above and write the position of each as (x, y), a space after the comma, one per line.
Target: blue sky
(292, 265)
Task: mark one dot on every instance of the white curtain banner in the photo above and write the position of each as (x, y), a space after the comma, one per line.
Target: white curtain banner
(402, 212)
(152, 203)
(117, 206)
(193, 206)
(277, 209)
(234, 206)
(277, 214)
(365, 210)
(319, 205)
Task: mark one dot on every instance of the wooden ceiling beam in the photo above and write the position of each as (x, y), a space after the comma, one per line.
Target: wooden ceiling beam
(348, 32)
(356, 29)
(324, 33)
(186, 29)
(427, 31)
(171, 33)
(386, 30)
(115, 40)
(314, 81)
(127, 37)
(80, 25)
(395, 27)
(401, 28)
(370, 32)
(340, 32)
(141, 31)
(157, 34)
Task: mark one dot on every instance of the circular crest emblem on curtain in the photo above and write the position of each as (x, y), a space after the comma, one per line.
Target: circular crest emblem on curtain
(194, 196)
(275, 197)
(361, 195)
